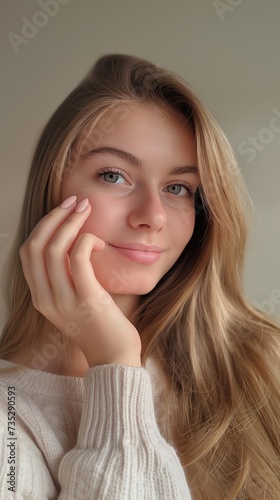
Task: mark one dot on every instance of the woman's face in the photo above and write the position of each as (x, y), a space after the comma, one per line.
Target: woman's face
(136, 175)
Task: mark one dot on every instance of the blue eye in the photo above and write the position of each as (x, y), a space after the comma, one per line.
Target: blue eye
(176, 189)
(111, 176)
(181, 190)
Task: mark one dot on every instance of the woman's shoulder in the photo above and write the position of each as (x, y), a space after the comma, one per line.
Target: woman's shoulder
(43, 404)
(30, 382)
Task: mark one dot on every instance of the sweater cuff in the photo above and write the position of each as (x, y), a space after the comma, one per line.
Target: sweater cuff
(118, 406)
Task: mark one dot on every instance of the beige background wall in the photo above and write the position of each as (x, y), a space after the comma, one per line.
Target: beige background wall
(227, 50)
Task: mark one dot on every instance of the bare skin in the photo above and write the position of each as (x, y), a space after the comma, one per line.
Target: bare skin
(77, 277)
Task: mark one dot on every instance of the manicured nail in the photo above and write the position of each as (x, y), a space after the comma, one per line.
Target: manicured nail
(82, 205)
(68, 202)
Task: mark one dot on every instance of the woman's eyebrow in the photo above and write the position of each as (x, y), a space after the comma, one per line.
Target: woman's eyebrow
(136, 162)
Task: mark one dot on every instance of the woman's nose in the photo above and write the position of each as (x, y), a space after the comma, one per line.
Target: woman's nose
(147, 212)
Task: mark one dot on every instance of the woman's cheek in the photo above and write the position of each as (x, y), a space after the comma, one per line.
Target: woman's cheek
(183, 221)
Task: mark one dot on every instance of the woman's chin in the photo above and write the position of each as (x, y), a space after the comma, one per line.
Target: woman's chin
(126, 280)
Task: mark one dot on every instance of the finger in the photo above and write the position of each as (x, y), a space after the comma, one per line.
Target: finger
(41, 278)
(81, 267)
(48, 225)
(57, 260)
(32, 253)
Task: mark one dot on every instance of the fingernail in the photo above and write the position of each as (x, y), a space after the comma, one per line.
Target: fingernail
(82, 205)
(68, 202)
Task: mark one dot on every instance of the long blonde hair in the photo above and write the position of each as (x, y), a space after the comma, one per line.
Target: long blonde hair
(218, 355)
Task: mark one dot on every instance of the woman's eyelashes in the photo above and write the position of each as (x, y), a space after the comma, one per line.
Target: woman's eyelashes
(111, 176)
(179, 189)
(115, 176)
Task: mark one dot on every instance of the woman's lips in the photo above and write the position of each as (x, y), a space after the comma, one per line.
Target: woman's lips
(140, 253)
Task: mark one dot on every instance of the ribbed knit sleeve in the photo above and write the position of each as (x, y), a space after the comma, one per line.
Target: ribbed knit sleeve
(120, 454)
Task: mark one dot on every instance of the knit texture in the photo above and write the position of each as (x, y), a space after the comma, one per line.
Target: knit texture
(95, 438)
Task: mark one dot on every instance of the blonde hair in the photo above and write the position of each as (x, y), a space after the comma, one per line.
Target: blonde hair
(218, 355)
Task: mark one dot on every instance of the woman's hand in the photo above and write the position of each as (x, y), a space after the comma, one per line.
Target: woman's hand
(65, 290)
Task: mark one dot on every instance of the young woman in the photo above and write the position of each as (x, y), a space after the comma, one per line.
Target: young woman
(132, 365)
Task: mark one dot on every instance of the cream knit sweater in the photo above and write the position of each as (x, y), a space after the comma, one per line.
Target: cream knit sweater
(75, 438)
